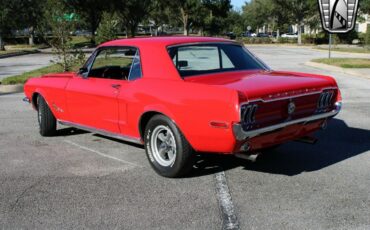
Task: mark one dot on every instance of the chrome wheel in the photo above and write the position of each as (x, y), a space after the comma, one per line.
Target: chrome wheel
(163, 146)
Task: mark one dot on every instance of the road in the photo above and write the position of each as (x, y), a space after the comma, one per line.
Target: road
(79, 180)
(20, 64)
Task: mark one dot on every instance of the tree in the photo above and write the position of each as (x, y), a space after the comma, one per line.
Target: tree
(298, 11)
(159, 13)
(185, 11)
(108, 28)
(365, 6)
(216, 15)
(32, 12)
(132, 12)
(61, 41)
(91, 11)
(258, 13)
(9, 17)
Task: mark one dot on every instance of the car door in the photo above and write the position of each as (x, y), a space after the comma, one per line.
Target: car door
(92, 95)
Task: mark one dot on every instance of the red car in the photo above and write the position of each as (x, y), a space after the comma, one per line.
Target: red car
(181, 95)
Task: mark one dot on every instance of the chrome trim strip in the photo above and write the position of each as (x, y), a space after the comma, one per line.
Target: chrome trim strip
(241, 135)
(103, 132)
(290, 97)
(26, 99)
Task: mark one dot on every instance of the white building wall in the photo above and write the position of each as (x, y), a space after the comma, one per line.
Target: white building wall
(362, 26)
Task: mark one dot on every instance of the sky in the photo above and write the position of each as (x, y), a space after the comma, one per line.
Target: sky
(238, 3)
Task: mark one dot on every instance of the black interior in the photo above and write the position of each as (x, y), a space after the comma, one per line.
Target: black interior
(110, 72)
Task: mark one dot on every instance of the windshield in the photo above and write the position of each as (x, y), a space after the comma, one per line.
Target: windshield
(192, 60)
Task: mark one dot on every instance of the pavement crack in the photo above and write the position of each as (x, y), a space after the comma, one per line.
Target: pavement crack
(23, 193)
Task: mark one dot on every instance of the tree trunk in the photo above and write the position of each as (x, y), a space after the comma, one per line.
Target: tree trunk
(31, 40)
(2, 47)
(299, 34)
(185, 21)
(133, 31)
(277, 33)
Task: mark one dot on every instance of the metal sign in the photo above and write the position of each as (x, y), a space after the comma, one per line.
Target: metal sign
(338, 16)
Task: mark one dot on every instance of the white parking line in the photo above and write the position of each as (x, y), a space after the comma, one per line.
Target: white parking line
(229, 218)
(100, 153)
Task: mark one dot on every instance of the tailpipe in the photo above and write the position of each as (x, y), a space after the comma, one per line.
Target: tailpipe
(308, 140)
(252, 157)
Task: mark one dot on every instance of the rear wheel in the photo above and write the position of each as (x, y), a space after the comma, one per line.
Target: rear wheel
(169, 153)
(46, 119)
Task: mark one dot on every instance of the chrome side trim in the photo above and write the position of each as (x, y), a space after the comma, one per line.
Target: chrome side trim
(103, 132)
(26, 99)
(241, 135)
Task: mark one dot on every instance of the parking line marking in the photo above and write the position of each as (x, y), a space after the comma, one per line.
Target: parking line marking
(229, 218)
(100, 153)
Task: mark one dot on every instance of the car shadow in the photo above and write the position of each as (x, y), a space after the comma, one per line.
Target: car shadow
(338, 143)
(69, 132)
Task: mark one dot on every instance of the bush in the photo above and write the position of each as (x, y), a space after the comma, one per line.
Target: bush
(287, 40)
(255, 40)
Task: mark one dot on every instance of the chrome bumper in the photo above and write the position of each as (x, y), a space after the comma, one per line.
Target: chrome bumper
(241, 135)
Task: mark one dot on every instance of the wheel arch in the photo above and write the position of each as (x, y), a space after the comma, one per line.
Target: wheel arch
(145, 118)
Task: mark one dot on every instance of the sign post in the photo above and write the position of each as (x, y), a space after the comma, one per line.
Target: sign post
(330, 42)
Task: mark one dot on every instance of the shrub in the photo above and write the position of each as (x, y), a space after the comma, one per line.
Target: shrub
(287, 40)
(256, 40)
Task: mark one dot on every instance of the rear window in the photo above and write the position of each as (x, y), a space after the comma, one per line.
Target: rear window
(192, 60)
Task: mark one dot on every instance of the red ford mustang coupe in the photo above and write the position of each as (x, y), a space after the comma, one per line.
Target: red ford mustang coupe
(181, 95)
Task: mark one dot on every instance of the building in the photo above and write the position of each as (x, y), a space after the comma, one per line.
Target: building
(361, 26)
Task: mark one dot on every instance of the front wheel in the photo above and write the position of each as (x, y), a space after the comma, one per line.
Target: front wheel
(46, 119)
(169, 153)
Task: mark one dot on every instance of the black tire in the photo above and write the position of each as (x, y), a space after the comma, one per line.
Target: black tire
(183, 157)
(46, 119)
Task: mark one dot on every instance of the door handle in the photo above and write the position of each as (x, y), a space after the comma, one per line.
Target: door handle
(116, 86)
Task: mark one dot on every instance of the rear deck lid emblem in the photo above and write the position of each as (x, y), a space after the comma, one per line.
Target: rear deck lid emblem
(291, 108)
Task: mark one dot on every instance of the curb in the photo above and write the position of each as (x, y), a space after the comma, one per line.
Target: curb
(337, 69)
(342, 52)
(8, 89)
(21, 53)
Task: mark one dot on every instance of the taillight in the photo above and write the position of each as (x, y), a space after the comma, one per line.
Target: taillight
(325, 100)
(248, 113)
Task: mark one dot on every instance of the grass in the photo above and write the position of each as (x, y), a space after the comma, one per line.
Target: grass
(81, 42)
(345, 62)
(22, 78)
(348, 50)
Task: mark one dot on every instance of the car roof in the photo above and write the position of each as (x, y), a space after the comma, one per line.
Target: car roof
(162, 41)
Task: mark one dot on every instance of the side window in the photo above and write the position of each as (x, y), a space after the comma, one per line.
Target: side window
(226, 62)
(135, 72)
(113, 63)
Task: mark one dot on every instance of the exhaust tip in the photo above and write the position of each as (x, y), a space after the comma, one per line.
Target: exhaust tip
(245, 147)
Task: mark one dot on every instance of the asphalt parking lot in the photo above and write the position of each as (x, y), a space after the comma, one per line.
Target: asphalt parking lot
(79, 180)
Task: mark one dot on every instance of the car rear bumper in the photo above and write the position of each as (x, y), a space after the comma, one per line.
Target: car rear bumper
(242, 135)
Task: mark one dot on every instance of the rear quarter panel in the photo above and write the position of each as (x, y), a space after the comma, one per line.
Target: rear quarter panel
(191, 106)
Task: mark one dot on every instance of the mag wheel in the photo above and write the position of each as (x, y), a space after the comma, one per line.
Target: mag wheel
(46, 119)
(168, 151)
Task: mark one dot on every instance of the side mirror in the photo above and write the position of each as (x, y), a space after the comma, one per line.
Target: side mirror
(182, 64)
(83, 72)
